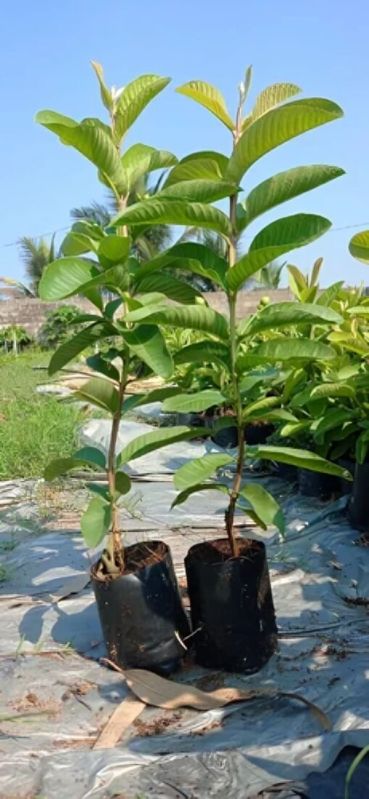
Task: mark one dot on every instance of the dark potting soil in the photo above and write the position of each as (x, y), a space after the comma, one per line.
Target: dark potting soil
(219, 551)
(136, 557)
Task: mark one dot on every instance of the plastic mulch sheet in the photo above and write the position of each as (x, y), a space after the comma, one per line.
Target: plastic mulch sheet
(55, 696)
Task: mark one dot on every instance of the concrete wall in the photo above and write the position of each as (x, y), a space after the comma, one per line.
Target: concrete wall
(31, 313)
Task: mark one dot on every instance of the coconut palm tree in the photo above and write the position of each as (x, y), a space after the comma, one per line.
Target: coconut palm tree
(36, 254)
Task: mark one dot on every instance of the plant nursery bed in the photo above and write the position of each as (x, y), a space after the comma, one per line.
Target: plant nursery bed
(51, 648)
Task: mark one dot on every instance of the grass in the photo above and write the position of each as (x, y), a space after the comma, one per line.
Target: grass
(34, 428)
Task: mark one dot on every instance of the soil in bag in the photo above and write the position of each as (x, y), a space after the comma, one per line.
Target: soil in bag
(141, 613)
(232, 610)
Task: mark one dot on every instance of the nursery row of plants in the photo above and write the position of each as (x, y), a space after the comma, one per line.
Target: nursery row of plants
(299, 367)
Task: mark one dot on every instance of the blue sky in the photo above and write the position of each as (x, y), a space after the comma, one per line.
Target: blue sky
(44, 63)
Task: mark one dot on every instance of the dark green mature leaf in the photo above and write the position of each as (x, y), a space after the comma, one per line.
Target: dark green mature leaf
(192, 257)
(101, 393)
(203, 351)
(200, 401)
(283, 314)
(184, 495)
(91, 455)
(201, 191)
(174, 212)
(113, 250)
(193, 317)
(87, 456)
(208, 96)
(277, 126)
(286, 185)
(157, 439)
(91, 138)
(99, 364)
(148, 343)
(359, 246)
(200, 469)
(274, 240)
(95, 521)
(302, 458)
(140, 159)
(170, 286)
(156, 395)
(122, 483)
(58, 467)
(134, 98)
(71, 348)
(281, 349)
(65, 276)
(264, 505)
(333, 418)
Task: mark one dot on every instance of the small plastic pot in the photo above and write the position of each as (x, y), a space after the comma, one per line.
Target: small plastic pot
(141, 613)
(287, 472)
(226, 438)
(316, 484)
(232, 609)
(359, 502)
(346, 485)
(258, 433)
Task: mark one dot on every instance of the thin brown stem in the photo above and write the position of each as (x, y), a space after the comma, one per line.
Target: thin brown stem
(114, 559)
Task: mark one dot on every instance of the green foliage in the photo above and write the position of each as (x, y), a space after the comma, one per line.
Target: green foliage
(58, 326)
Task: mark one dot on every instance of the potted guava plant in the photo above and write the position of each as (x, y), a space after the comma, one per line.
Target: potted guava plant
(231, 602)
(135, 587)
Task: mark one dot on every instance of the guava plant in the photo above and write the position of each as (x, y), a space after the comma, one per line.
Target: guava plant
(187, 198)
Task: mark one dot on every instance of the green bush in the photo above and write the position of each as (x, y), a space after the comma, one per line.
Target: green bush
(14, 337)
(59, 324)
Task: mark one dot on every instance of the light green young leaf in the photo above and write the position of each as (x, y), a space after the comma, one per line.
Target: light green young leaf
(140, 159)
(198, 191)
(274, 240)
(134, 98)
(200, 469)
(330, 294)
(197, 402)
(359, 246)
(277, 126)
(100, 393)
(264, 505)
(206, 165)
(208, 96)
(106, 94)
(285, 186)
(113, 250)
(269, 98)
(95, 522)
(260, 405)
(77, 244)
(184, 495)
(281, 349)
(148, 343)
(65, 277)
(333, 390)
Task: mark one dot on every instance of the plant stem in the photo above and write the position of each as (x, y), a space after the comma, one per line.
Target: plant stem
(237, 403)
(113, 557)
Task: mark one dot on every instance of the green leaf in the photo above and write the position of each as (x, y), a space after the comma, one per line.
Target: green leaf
(58, 467)
(122, 483)
(264, 505)
(358, 310)
(106, 95)
(270, 97)
(283, 314)
(95, 522)
(101, 393)
(202, 352)
(154, 440)
(193, 317)
(200, 469)
(281, 349)
(333, 390)
(113, 250)
(191, 257)
(260, 406)
(277, 126)
(355, 763)
(140, 159)
(92, 139)
(209, 97)
(274, 240)
(359, 246)
(134, 98)
(157, 395)
(99, 489)
(91, 455)
(330, 294)
(148, 343)
(184, 495)
(64, 277)
(71, 348)
(302, 458)
(200, 401)
(77, 244)
(202, 191)
(206, 165)
(171, 287)
(333, 418)
(99, 364)
(362, 446)
(173, 212)
(285, 186)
